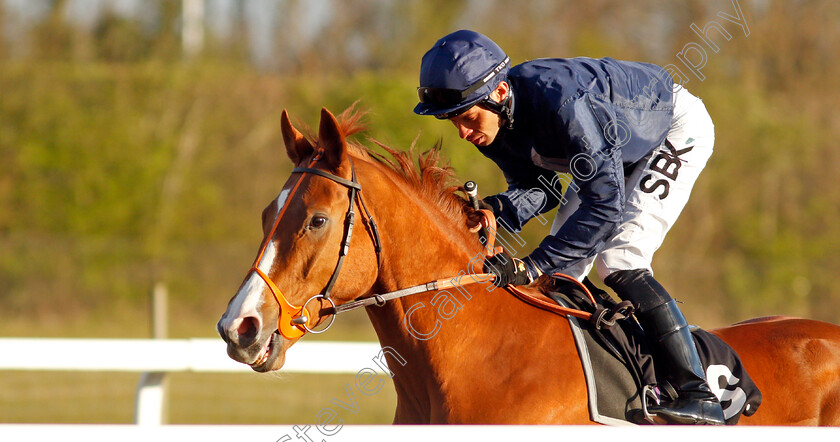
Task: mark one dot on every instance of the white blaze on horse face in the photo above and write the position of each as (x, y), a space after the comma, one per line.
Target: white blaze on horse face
(248, 300)
(280, 202)
(267, 260)
(268, 257)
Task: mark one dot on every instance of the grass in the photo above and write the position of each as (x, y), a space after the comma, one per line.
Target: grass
(88, 397)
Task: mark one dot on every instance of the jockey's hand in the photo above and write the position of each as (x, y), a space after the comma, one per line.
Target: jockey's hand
(508, 270)
(474, 217)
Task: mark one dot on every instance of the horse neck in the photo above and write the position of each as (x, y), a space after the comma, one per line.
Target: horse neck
(420, 244)
(444, 338)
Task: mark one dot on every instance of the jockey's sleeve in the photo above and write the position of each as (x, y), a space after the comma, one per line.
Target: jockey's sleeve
(596, 166)
(525, 196)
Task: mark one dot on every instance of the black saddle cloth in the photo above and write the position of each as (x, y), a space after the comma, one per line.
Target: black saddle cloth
(619, 364)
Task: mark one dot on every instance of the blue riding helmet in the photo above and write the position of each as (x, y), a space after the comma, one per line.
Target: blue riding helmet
(459, 71)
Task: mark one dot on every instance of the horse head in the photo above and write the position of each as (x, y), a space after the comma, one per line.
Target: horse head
(307, 231)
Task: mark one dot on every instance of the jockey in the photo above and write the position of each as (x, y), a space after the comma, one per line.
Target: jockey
(634, 143)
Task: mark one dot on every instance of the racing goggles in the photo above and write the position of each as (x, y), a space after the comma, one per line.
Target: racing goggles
(449, 98)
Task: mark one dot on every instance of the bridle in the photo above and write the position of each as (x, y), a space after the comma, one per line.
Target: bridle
(292, 322)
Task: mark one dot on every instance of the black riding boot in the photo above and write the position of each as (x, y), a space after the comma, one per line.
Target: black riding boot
(668, 331)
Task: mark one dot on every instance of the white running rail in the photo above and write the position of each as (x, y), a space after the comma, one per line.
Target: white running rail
(156, 357)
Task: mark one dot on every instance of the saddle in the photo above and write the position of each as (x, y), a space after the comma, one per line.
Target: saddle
(622, 376)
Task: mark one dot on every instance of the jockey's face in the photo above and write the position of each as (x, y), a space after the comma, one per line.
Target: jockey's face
(478, 125)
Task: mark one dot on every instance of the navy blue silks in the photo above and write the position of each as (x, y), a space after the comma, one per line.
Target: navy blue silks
(591, 118)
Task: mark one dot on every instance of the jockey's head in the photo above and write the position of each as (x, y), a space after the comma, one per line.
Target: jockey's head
(462, 79)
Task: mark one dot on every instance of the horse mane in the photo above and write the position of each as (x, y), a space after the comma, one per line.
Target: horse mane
(426, 172)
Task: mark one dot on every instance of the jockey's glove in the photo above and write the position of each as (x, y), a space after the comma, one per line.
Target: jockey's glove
(474, 217)
(508, 270)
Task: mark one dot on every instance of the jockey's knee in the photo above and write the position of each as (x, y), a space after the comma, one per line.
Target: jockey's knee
(616, 259)
(637, 286)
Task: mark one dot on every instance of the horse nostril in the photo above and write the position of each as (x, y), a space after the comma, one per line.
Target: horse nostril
(248, 329)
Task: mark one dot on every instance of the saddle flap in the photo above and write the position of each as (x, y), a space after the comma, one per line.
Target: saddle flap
(618, 366)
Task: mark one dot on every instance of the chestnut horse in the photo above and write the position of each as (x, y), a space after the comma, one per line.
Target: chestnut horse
(471, 355)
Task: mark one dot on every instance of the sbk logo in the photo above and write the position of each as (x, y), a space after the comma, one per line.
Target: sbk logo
(667, 163)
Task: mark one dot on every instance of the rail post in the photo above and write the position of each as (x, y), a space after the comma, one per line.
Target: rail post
(150, 403)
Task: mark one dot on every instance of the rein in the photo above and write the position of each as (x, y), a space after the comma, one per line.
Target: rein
(292, 321)
(380, 299)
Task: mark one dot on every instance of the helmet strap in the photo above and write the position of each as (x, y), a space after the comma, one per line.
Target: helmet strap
(504, 109)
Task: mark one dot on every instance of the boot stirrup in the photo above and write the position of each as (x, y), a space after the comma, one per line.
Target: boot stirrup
(606, 318)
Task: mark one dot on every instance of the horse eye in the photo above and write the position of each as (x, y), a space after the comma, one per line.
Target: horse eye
(317, 222)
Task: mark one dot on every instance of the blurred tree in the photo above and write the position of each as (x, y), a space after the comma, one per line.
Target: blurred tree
(167, 42)
(120, 39)
(360, 34)
(53, 37)
(2, 31)
(419, 25)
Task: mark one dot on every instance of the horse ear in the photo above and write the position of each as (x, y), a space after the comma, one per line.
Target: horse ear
(329, 134)
(297, 146)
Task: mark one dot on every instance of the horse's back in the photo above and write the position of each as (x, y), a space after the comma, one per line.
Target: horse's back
(796, 364)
